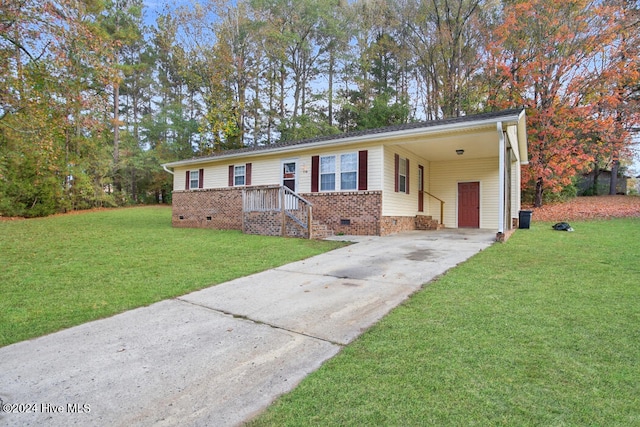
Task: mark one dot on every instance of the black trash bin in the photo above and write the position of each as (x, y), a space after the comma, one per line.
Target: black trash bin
(525, 219)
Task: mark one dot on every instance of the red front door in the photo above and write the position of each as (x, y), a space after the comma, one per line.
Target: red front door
(469, 204)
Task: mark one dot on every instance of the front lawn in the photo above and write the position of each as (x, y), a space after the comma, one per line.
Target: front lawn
(541, 330)
(62, 271)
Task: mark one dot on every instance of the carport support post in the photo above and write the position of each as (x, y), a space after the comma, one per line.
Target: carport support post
(501, 179)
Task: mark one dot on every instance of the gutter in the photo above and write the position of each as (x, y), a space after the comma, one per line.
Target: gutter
(164, 166)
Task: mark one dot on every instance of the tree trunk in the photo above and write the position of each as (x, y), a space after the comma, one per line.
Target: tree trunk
(539, 190)
(613, 183)
(136, 107)
(282, 92)
(330, 89)
(116, 137)
(134, 189)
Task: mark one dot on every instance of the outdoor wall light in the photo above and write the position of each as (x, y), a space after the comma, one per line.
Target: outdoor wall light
(459, 152)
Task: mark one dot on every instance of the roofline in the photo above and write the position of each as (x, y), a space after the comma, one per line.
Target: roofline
(509, 117)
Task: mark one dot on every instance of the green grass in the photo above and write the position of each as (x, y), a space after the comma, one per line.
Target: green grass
(542, 330)
(62, 271)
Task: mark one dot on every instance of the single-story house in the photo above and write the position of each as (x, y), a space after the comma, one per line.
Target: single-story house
(461, 172)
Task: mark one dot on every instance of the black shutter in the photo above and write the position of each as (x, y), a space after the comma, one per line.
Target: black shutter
(230, 175)
(187, 181)
(201, 178)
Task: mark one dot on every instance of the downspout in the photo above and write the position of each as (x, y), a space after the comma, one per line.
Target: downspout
(501, 173)
(167, 170)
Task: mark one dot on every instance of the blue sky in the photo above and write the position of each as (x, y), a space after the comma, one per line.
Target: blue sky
(153, 7)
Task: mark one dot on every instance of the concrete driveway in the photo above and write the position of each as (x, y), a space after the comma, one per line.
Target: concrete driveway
(219, 356)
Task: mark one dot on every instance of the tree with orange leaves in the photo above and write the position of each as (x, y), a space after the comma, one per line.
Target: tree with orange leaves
(571, 64)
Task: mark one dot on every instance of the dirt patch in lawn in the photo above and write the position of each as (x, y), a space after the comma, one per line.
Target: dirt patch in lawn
(584, 208)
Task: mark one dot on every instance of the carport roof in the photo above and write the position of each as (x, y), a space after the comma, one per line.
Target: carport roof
(513, 116)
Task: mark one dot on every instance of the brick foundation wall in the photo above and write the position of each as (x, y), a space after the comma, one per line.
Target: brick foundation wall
(396, 224)
(269, 223)
(351, 213)
(217, 208)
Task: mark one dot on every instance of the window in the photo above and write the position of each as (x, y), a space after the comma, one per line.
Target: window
(239, 175)
(401, 166)
(194, 179)
(348, 171)
(328, 173)
(342, 172)
(402, 175)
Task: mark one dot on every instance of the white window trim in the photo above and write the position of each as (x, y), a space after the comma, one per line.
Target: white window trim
(237, 175)
(337, 173)
(402, 165)
(334, 173)
(192, 179)
(355, 187)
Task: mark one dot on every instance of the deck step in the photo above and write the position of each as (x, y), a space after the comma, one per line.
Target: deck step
(426, 222)
(320, 230)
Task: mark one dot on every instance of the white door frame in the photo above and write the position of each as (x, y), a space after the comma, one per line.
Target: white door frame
(282, 178)
(291, 202)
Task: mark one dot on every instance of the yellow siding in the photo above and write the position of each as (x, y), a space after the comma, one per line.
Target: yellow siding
(402, 204)
(266, 170)
(178, 178)
(215, 177)
(443, 183)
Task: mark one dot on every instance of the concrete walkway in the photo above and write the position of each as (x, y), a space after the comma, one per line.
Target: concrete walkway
(219, 356)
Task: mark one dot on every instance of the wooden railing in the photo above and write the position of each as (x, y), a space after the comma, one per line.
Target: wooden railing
(279, 199)
(261, 199)
(441, 205)
(296, 208)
